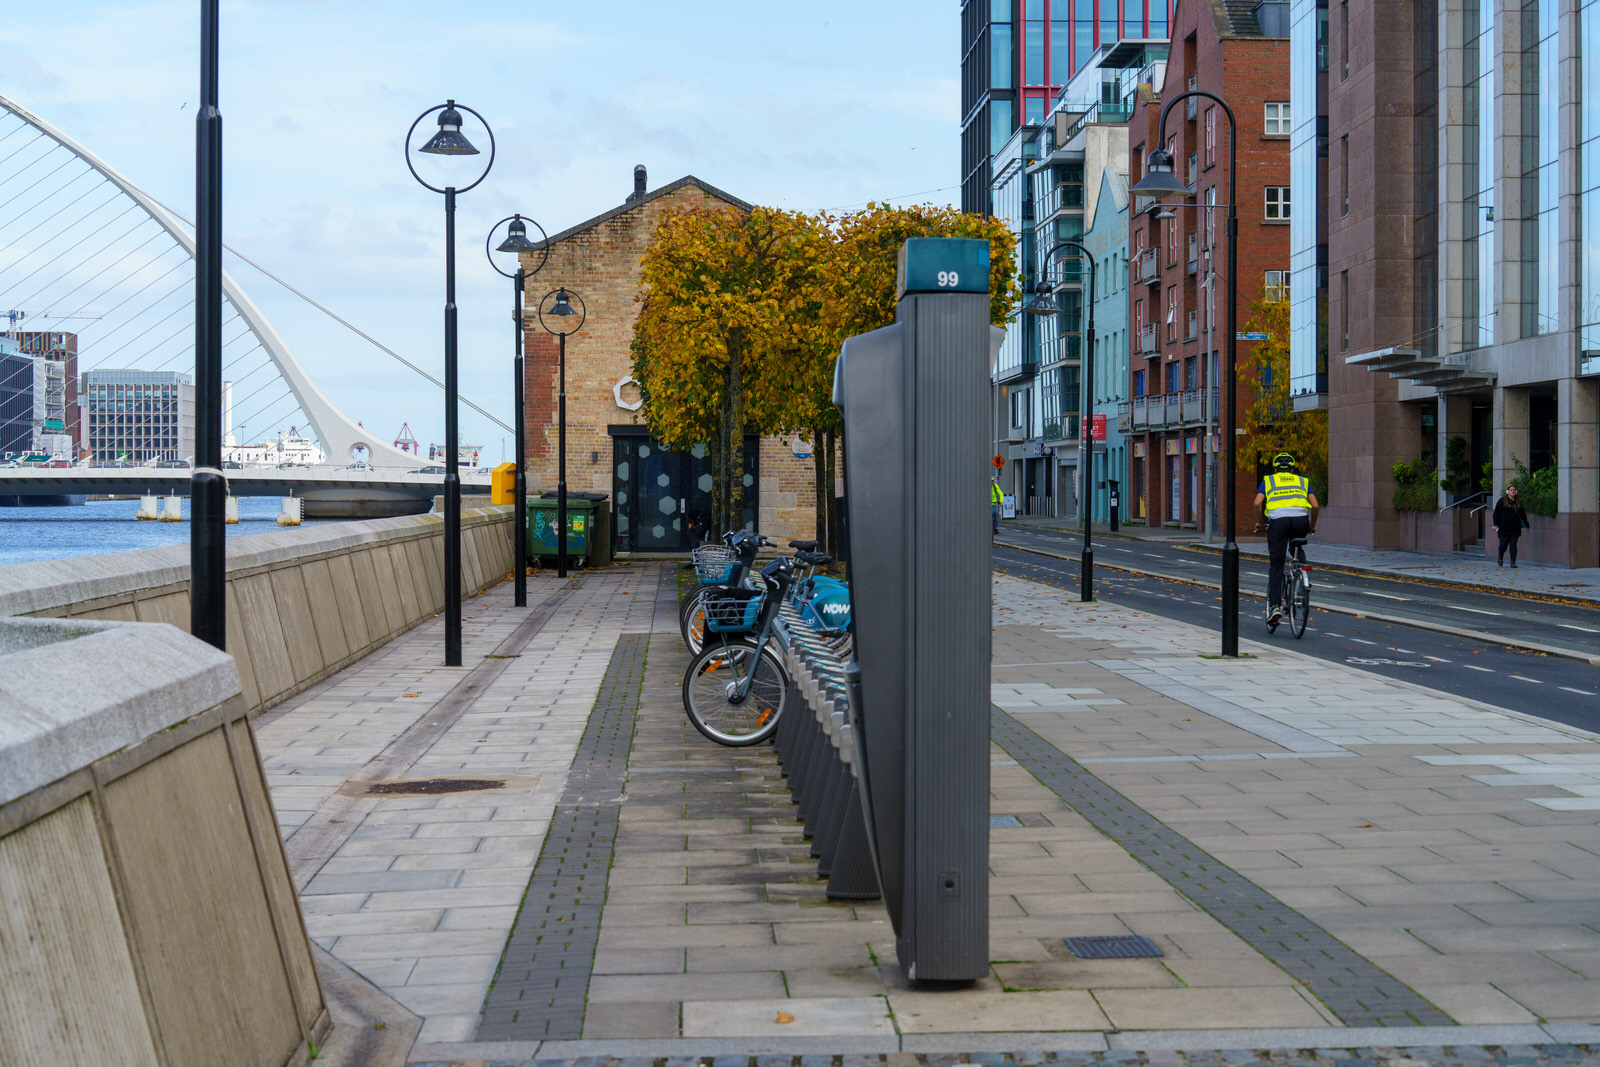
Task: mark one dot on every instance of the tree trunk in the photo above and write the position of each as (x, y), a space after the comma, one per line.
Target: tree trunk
(818, 474)
(733, 434)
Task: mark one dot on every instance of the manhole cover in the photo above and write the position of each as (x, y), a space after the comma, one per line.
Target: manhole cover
(1122, 946)
(435, 785)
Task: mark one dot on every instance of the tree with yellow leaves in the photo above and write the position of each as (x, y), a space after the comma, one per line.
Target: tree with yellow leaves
(859, 276)
(724, 289)
(745, 313)
(1271, 424)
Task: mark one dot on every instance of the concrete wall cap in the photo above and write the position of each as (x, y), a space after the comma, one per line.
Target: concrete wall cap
(45, 585)
(129, 681)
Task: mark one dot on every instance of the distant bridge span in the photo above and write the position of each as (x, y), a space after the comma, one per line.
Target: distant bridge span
(342, 438)
(330, 492)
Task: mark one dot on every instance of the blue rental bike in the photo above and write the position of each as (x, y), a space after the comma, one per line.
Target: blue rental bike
(735, 688)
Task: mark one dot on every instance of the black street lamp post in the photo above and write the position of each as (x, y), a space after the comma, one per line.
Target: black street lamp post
(517, 241)
(208, 554)
(1044, 303)
(449, 142)
(1160, 180)
(562, 311)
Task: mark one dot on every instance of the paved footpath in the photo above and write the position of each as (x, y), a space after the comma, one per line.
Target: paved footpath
(1335, 869)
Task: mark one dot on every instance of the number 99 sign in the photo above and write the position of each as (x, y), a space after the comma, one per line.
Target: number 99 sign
(948, 279)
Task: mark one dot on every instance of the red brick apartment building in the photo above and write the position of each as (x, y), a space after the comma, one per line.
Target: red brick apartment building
(1178, 373)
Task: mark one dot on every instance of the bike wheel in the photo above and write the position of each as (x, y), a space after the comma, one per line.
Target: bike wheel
(711, 698)
(1299, 604)
(692, 619)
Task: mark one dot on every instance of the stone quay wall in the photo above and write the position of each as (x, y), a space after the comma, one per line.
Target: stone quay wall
(150, 918)
(302, 603)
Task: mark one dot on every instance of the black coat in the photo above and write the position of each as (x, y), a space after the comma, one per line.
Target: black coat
(1510, 517)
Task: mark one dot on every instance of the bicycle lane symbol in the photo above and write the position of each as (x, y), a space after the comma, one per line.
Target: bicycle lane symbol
(1363, 661)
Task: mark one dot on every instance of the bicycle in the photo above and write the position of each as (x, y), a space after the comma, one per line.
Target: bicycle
(1297, 586)
(734, 691)
(716, 567)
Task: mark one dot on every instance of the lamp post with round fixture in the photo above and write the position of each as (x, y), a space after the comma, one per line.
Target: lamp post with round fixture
(562, 311)
(1044, 303)
(1160, 180)
(450, 142)
(517, 241)
(208, 555)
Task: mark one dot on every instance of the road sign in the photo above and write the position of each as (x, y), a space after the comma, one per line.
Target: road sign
(1254, 335)
(1097, 427)
(999, 462)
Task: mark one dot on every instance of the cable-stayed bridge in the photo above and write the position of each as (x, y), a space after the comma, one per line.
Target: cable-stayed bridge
(85, 251)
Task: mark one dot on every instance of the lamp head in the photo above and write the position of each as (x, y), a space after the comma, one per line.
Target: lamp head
(1165, 215)
(448, 141)
(562, 307)
(517, 238)
(1043, 302)
(1160, 178)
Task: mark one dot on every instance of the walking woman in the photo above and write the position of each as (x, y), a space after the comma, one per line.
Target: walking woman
(1509, 521)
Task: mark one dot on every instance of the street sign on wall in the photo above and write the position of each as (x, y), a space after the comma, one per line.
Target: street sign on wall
(1097, 427)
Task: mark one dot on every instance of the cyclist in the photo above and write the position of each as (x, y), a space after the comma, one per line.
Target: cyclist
(1288, 509)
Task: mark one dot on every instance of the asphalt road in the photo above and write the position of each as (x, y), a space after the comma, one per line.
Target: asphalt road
(1468, 643)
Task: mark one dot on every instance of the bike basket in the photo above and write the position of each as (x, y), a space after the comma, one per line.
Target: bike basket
(715, 564)
(733, 611)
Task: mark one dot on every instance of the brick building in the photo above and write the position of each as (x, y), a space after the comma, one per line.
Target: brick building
(1176, 373)
(658, 497)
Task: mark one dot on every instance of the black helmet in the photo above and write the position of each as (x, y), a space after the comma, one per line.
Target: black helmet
(1283, 461)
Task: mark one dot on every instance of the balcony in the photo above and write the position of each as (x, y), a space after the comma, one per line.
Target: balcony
(1097, 113)
(1139, 411)
(1191, 328)
(1124, 416)
(1146, 269)
(1149, 344)
(1193, 173)
(1172, 408)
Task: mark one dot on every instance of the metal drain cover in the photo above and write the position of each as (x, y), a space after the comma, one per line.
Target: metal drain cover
(426, 786)
(1121, 946)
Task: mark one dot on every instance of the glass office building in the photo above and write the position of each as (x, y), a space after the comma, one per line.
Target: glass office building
(1016, 55)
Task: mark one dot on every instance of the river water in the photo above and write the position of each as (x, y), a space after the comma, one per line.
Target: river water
(101, 526)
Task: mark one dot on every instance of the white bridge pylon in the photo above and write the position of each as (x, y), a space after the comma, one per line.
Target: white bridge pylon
(338, 434)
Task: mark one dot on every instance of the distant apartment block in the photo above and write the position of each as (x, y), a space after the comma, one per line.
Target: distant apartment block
(54, 424)
(137, 416)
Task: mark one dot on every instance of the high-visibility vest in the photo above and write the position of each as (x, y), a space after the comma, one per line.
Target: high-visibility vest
(995, 495)
(1287, 491)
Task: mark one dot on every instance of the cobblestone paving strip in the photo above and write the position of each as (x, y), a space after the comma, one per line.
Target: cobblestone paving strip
(543, 981)
(1357, 991)
(1365, 1056)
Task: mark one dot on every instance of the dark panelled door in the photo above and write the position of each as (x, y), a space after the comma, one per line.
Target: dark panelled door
(663, 498)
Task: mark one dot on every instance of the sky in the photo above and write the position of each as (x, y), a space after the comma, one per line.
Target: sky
(820, 105)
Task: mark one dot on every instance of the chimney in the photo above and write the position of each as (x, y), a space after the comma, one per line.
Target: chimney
(638, 183)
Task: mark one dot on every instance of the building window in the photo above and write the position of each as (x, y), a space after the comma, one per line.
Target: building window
(1344, 311)
(1277, 118)
(1344, 40)
(1344, 176)
(1211, 135)
(1172, 312)
(1277, 201)
(1276, 286)
(1138, 383)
